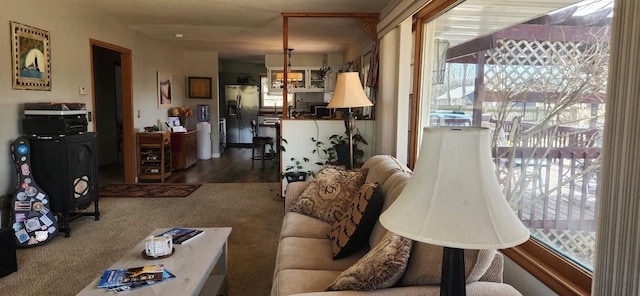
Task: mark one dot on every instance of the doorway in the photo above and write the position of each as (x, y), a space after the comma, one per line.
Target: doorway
(113, 111)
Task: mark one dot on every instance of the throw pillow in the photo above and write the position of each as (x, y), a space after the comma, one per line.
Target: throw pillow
(352, 231)
(329, 194)
(381, 268)
(425, 265)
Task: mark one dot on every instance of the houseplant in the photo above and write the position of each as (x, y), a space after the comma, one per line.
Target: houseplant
(340, 144)
(326, 153)
(294, 173)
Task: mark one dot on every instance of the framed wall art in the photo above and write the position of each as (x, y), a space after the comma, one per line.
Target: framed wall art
(164, 89)
(199, 87)
(30, 57)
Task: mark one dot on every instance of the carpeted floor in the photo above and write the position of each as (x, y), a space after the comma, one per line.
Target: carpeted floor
(147, 190)
(66, 265)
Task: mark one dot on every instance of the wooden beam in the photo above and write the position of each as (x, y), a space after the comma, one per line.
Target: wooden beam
(369, 26)
(478, 98)
(436, 8)
(553, 33)
(285, 45)
(330, 14)
(461, 53)
(538, 97)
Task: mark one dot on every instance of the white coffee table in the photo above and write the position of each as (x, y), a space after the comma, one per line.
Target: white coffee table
(192, 264)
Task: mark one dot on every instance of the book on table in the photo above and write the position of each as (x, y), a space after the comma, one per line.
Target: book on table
(134, 277)
(182, 235)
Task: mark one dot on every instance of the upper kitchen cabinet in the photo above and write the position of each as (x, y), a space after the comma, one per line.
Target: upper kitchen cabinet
(299, 79)
(305, 74)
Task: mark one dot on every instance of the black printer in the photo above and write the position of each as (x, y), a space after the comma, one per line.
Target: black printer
(54, 119)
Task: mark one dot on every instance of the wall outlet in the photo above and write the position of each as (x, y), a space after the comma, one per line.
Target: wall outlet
(83, 90)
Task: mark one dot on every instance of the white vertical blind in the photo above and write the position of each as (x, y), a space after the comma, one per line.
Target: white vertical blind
(617, 265)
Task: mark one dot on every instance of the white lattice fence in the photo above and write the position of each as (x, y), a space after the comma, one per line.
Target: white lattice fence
(577, 244)
(530, 60)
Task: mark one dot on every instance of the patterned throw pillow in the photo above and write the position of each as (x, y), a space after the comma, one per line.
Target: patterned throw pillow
(352, 231)
(381, 268)
(329, 194)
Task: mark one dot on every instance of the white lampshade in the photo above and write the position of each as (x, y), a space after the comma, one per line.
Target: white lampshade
(348, 92)
(453, 198)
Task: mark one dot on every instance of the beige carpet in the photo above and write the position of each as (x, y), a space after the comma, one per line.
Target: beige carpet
(66, 265)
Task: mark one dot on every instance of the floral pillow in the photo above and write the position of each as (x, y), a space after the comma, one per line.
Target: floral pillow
(381, 268)
(352, 231)
(329, 194)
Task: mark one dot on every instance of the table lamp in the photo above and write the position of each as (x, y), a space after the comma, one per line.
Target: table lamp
(453, 200)
(349, 93)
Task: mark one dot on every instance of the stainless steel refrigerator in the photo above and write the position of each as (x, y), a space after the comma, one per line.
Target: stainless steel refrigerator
(242, 106)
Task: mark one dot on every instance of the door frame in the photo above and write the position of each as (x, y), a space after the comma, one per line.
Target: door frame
(128, 140)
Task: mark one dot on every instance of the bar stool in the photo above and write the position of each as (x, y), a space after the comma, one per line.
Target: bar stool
(259, 143)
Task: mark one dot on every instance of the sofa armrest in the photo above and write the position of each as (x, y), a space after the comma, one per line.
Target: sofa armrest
(293, 191)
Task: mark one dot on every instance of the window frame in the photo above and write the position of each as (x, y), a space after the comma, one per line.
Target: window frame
(556, 272)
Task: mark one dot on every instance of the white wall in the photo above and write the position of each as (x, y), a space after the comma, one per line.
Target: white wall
(387, 101)
(205, 64)
(70, 30)
(298, 133)
(523, 281)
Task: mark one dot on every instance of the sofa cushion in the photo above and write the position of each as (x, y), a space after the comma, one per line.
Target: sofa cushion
(380, 268)
(299, 225)
(293, 281)
(329, 194)
(425, 265)
(352, 231)
(312, 253)
(391, 190)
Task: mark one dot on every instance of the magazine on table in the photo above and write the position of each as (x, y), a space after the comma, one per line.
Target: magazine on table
(130, 276)
(182, 235)
(166, 275)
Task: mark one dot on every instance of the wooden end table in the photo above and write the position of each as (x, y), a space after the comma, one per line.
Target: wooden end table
(200, 266)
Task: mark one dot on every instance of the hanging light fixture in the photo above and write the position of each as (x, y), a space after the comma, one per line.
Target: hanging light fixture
(292, 77)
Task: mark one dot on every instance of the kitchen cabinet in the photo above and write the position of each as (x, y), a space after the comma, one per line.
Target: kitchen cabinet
(301, 79)
(154, 156)
(184, 149)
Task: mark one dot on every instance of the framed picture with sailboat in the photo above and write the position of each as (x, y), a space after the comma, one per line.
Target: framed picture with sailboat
(30, 57)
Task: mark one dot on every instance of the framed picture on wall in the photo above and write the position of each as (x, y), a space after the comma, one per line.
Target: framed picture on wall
(199, 87)
(164, 89)
(30, 57)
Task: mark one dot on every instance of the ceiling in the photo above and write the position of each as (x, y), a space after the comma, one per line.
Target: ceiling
(477, 18)
(242, 29)
(248, 29)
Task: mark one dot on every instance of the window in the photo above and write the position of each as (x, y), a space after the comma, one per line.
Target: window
(269, 102)
(540, 85)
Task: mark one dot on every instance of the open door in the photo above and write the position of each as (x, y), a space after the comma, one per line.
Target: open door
(126, 132)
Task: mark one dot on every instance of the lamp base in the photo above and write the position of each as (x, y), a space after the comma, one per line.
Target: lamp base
(349, 126)
(452, 281)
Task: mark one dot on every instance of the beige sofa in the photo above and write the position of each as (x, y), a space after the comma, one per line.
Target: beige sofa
(305, 264)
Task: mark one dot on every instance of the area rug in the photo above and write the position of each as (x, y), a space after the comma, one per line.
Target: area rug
(147, 190)
(65, 266)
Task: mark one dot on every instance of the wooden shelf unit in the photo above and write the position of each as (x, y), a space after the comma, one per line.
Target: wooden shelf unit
(184, 149)
(154, 156)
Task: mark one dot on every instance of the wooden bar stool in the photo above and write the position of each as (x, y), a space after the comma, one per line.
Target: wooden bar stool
(259, 143)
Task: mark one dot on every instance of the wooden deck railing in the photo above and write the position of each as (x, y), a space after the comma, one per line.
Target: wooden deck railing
(552, 188)
(551, 175)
